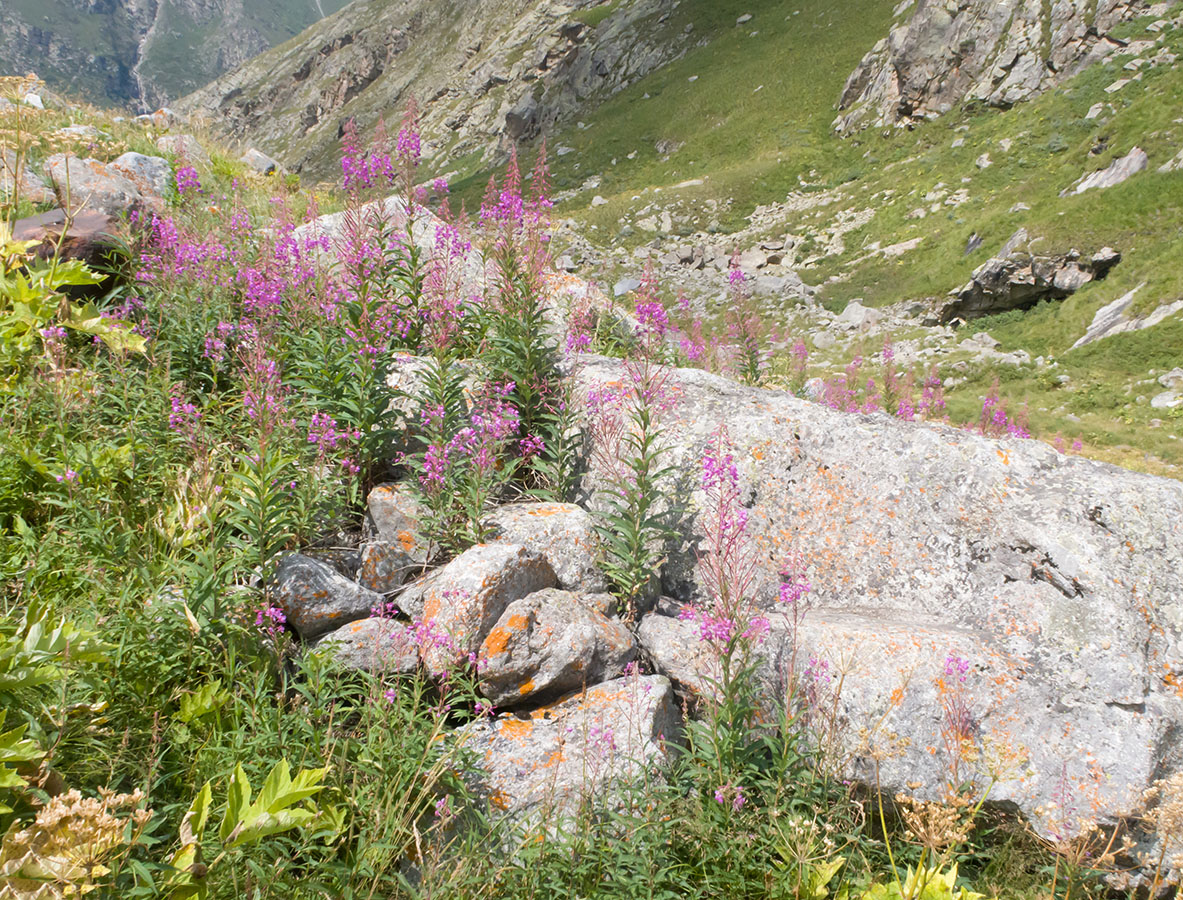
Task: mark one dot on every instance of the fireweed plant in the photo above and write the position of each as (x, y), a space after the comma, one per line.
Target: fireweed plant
(633, 518)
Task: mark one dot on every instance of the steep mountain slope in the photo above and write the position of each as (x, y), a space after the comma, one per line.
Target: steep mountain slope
(485, 73)
(143, 53)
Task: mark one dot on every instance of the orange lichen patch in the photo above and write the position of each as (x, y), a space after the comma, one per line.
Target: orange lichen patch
(498, 800)
(526, 688)
(431, 607)
(498, 639)
(496, 643)
(356, 627)
(515, 729)
(546, 510)
(553, 760)
(406, 540)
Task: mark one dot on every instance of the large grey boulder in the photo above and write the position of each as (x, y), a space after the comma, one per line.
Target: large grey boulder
(31, 187)
(316, 598)
(385, 566)
(261, 162)
(551, 643)
(1116, 317)
(461, 602)
(589, 747)
(563, 533)
(1055, 576)
(92, 185)
(997, 51)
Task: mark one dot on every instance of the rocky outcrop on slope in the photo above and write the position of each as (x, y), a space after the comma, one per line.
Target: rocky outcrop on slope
(484, 74)
(999, 52)
(1019, 279)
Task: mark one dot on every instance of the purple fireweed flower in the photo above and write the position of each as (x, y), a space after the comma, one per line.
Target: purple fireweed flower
(324, 432)
(794, 588)
(53, 334)
(270, 620)
(652, 316)
(354, 166)
(440, 186)
(738, 800)
(183, 416)
(187, 181)
(407, 146)
(956, 667)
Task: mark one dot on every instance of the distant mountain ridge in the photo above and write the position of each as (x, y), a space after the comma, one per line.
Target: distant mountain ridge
(142, 54)
(485, 73)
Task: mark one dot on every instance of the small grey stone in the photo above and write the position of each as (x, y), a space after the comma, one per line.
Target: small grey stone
(317, 598)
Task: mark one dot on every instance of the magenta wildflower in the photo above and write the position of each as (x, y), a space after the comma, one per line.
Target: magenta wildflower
(956, 667)
(187, 181)
(324, 432)
(270, 620)
(652, 316)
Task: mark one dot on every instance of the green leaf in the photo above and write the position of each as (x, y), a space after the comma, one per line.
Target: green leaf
(239, 800)
(208, 698)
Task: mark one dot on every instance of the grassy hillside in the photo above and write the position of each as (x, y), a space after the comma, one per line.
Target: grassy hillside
(754, 127)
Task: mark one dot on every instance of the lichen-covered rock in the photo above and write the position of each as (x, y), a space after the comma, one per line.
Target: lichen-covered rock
(152, 175)
(584, 748)
(1056, 576)
(673, 647)
(90, 184)
(385, 566)
(463, 600)
(997, 51)
(316, 598)
(186, 148)
(562, 532)
(378, 645)
(394, 515)
(550, 643)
